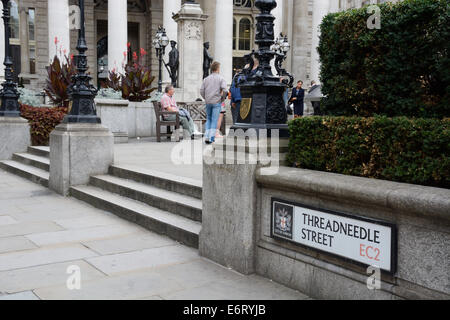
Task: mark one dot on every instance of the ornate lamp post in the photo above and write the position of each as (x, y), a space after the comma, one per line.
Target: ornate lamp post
(160, 43)
(281, 48)
(262, 106)
(82, 92)
(8, 94)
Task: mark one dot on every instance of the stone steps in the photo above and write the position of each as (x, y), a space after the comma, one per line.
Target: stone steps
(162, 180)
(40, 162)
(29, 172)
(179, 228)
(172, 202)
(40, 151)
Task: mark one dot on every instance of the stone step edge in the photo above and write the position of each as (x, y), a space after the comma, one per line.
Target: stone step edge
(157, 178)
(26, 171)
(33, 160)
(137, 191)
(187, 234)
(39, 151)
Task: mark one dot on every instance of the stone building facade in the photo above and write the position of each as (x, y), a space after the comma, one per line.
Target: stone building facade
(43, 28)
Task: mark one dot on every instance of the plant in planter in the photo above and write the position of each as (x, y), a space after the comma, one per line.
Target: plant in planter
(136, 82)
(59, 78)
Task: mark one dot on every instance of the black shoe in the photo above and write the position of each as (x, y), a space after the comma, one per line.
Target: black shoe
(208, 142)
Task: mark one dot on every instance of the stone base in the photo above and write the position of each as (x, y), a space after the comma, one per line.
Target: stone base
(14, 136)
(77, 152)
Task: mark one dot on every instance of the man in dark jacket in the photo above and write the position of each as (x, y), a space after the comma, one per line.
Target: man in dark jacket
(297, 98)
(236, 97)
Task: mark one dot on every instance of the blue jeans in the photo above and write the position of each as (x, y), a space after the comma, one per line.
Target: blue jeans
(212, 117)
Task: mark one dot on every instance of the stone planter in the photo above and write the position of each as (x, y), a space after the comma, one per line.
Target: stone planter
(141, 120)
(114, 115)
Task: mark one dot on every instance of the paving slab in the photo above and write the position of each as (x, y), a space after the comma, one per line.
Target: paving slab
(15, 244)
(6, 220)
(130, 286)
(42, 256)
(44, 276)
(78, 235)
(24, 228)
(145, 259)
(129, 243)
(20, 296)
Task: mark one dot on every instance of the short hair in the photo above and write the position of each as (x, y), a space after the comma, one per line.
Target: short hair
(313, 82)
(168, 88)
(299, 81)
(215, 66)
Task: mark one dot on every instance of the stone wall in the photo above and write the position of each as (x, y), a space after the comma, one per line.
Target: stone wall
(421, 215)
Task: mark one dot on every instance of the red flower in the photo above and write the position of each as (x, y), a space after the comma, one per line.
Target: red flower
(56, 40)
(71, 56)
(143, 52)
(135, 57)
(124, 54)
(128, 44)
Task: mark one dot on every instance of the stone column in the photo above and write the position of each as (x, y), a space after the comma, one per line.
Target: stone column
(58, 26)
(223, 44)
(170, 7)
(117, 33)
(2, 46)
(24, 39)
(320, 9)
(190, 21)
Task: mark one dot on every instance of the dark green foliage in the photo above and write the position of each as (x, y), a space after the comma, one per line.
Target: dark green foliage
(59, 78)
(402, 69)
(398, 149)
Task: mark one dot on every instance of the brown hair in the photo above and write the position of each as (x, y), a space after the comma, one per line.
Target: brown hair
(215, 66)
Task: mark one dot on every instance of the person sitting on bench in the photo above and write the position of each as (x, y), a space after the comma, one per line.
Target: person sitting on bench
(168, 104)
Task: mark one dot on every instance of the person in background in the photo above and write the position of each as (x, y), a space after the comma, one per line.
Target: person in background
(213, 90)
(222, 115)
(297, 98)
(315, 104)
(236, 97)
(168, 104)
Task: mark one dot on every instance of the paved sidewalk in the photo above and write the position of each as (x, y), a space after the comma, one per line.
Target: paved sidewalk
(42, 234)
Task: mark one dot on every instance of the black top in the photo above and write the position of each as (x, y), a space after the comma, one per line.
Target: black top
(299, 94)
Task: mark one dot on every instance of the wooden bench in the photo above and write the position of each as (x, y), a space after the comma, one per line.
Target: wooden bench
(197, 111)
(160, 122)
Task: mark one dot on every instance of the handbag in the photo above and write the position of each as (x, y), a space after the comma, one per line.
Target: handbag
(289, 109)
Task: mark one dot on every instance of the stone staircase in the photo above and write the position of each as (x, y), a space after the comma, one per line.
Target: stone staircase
(33, 165)
(157, 201)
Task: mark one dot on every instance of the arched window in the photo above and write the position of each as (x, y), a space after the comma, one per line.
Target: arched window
(234, 33)
(245, 34)
(243, 3)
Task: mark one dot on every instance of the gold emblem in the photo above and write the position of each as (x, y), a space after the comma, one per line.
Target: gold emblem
(246, 106)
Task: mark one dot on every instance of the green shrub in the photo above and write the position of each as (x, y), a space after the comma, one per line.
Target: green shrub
(42, 122)
(398, 149)
(402, 69)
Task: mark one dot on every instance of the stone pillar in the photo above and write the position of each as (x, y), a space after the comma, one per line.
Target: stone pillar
(170, 7)
(77, 152)
(117, 33)
(320, 9)
(2, 46)
(229, 224)
(24, 39)
(223, 44)
(190, 21)
(58, 27)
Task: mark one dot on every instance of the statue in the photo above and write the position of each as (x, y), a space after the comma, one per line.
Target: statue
(174, 63)
(207, 60)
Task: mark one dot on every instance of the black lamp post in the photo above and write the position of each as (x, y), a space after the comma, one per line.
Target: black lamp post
(262, 106)
(8, 94)
(81, 91)
(160, 43)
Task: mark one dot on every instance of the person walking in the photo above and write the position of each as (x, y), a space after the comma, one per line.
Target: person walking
(236, 96)
(213, 90)
(297, 98)
(315, 104)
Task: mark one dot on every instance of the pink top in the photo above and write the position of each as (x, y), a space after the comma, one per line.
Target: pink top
(168, 101)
